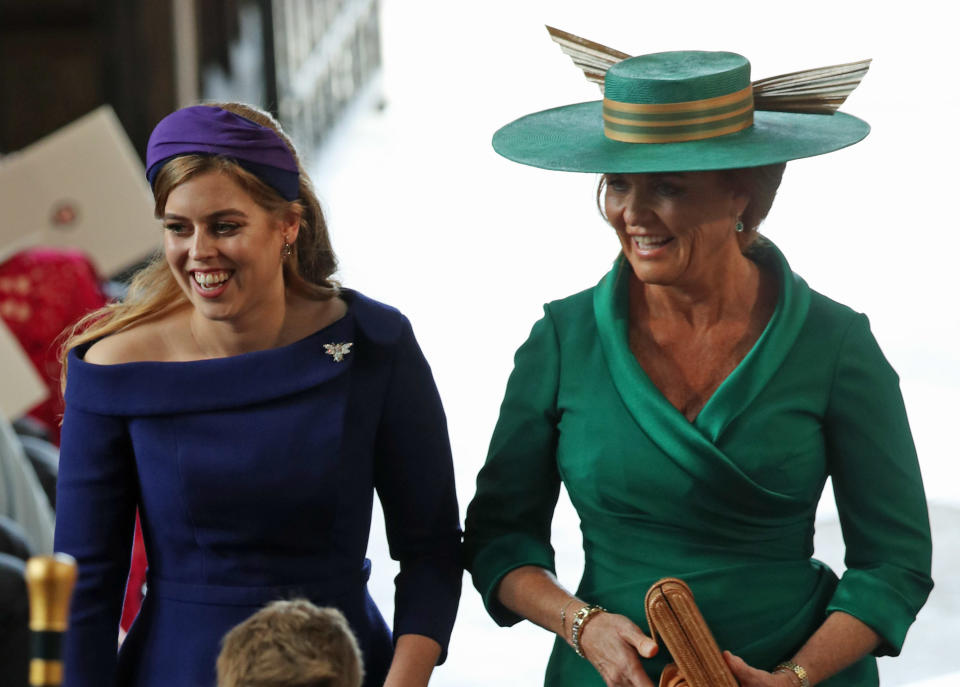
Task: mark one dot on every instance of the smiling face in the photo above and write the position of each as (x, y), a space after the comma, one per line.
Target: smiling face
(223, 248)
(674, 228)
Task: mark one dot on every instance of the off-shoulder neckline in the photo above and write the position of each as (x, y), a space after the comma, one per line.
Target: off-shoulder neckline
(156, 387)
(80, 351)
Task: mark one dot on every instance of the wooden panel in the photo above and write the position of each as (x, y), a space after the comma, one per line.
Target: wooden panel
(59, 59)
(46, 12)
(48, 78)
(139, 69)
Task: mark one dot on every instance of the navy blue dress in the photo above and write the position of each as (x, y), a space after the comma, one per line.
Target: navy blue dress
(254, 476)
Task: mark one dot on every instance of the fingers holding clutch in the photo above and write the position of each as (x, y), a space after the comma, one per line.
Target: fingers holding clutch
(748, 676)
(614, 645)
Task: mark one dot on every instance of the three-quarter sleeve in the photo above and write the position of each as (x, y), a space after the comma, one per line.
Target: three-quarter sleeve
(415, 482)
(508, 521)
(96, 503)
(879, 493)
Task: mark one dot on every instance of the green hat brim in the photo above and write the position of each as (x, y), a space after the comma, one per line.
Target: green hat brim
(571, 139)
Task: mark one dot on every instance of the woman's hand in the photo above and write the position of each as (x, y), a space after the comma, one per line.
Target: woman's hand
(413, 660)
(614, 645)
(751, 677)
(839, 642)
(611, 642)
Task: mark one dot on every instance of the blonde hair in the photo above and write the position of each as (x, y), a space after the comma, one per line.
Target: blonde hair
(154, 292)
(290, 644)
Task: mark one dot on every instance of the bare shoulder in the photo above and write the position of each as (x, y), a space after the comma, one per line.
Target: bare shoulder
(335, 310)
(147, 341)
(309, 316)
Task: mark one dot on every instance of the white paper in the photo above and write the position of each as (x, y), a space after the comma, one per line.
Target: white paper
(21, 387)
(83, 187)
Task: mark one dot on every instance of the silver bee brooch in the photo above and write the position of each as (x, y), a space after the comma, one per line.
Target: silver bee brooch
(337, 350)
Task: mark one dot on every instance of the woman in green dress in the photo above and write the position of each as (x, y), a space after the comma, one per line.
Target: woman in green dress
(695, 400)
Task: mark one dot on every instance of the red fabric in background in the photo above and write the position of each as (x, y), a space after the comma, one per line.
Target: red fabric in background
(133, 597)
(42, 292)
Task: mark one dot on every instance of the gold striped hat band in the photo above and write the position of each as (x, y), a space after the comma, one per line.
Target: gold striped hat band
(676, 122)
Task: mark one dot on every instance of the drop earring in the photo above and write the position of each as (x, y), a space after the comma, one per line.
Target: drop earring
(286, 251)
(739, 226)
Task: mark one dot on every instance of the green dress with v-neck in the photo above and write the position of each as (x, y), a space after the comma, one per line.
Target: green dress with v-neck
(727, 501)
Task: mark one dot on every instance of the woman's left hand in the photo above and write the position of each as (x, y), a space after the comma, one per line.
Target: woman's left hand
(751, 677)
(413, 661)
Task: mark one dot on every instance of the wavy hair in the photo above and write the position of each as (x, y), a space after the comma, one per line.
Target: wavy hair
(153, 290)
(290, 644)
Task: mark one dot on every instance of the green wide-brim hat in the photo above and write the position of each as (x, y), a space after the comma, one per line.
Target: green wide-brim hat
(689, 111)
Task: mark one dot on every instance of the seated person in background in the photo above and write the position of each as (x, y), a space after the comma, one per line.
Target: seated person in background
(290, 644)
(13, 540)
(22, 498)
(14, 617)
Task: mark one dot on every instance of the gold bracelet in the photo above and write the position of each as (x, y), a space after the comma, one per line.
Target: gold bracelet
(563, 616)
(579, 620)
(791, 667)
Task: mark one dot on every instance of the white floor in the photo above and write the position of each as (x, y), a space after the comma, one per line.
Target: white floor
(929, 657)
(951, 680)
(424, 215)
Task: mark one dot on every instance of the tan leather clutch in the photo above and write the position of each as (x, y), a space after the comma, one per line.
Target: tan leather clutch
(672, 614)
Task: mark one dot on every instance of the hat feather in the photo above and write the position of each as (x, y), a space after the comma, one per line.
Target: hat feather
(593, 58)
(815, 91)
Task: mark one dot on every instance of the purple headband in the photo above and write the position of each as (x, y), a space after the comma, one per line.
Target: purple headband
(215, 131)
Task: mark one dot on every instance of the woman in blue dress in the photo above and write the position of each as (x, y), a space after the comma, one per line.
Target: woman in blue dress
(248, 407)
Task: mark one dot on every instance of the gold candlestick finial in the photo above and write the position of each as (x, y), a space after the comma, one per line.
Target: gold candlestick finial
(50, 581)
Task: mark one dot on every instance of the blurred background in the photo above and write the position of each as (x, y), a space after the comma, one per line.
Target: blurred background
(392, 104)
